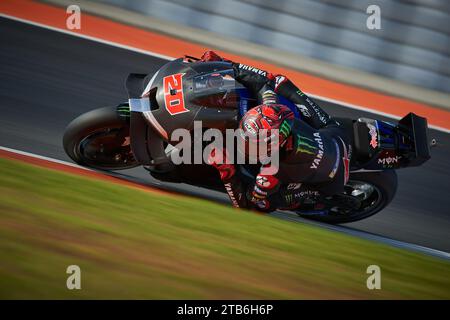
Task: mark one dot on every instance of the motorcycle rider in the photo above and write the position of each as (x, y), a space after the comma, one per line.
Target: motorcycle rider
(254, 79)
(314, 152)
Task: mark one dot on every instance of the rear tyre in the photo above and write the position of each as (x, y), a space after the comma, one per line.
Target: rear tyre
(100, 139)
(380, 189)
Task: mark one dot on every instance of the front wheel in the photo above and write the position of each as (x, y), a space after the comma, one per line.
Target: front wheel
(366, 194)
(100, 139)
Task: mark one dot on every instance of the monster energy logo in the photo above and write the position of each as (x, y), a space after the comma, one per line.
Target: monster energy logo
(289, 198)
(305, 145)
(285, 128)
(123, 110)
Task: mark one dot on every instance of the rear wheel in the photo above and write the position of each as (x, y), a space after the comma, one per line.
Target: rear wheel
(366, 193)
(100, 139)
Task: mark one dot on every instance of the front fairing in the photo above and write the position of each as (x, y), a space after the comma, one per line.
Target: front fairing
(209, 94)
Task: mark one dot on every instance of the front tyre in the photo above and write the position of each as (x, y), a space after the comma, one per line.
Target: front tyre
(100, 139)
(373, 191)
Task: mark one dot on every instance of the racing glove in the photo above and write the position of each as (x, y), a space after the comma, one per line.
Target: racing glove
(230, 178)
(212, 56)
(264, 192)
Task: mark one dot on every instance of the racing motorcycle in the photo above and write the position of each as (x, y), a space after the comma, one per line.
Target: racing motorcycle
(139, 133)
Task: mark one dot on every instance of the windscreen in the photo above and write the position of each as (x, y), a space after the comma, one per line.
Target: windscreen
(217, 89)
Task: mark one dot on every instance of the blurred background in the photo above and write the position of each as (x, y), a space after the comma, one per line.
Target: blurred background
(413, 44)
(50, 220)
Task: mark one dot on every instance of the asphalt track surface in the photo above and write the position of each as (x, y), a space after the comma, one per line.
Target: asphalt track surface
(48, 78)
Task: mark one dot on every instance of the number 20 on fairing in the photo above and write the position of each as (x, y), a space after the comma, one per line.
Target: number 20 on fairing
(173, 94)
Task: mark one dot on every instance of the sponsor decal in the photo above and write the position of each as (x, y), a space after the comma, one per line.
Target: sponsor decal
(323, 118)
(346, 160)
(336, 162)
(305, 145)
(173, 94)
(279, 80)
(288, 198)
(293, 186)
(306, 194)
(373, 135)
(251, 126)
(285, 128)
(230, 192)
(319, 155)
(259, 192)
(304, 110)
(389, 160)
(123, 110)
(263, 181)
(252, 69)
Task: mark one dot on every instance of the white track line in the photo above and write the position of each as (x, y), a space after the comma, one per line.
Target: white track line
(165, 57)
(36, 156)
(286, 216)
(78, 35)
(365, 235)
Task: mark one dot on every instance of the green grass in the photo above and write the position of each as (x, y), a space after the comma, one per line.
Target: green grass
(135, 244)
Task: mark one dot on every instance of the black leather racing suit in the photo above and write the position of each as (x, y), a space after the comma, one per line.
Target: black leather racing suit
(313, 162)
